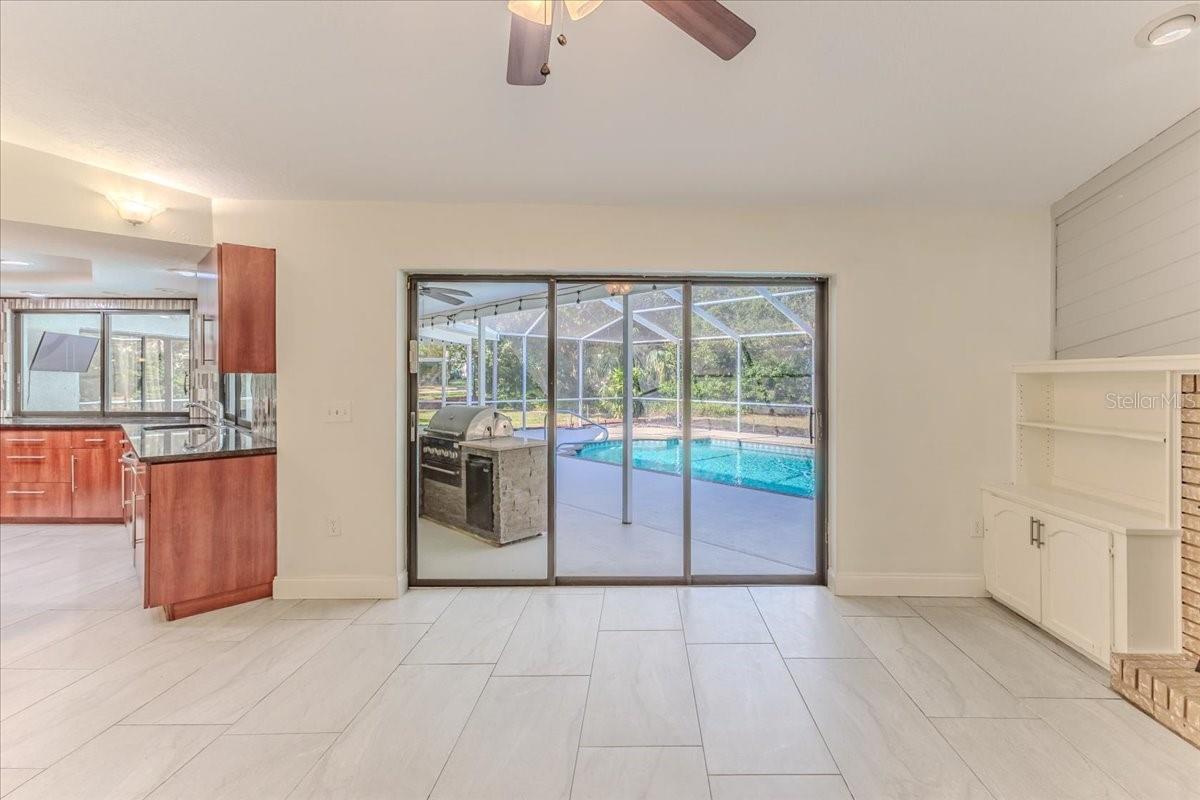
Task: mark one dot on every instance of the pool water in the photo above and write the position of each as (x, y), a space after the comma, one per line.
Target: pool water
(772, 468)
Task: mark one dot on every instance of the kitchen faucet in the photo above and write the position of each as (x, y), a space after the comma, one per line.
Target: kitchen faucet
(213, 408)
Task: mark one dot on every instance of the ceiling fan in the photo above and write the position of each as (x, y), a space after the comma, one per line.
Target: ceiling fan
(444, 294)
(707, 21)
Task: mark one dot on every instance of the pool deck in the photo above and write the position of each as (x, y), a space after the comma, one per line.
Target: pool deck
(735, 531)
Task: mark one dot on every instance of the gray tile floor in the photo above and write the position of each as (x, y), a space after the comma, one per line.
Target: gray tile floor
(714, 692)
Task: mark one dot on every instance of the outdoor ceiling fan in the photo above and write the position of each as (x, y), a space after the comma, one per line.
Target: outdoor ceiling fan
(445, 294)
(707, 21)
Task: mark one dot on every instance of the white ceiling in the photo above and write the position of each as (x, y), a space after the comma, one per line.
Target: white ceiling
(870, 102)
(64, 262)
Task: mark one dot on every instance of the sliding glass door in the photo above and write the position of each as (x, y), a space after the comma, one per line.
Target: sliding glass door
(619, 495)
(641, 430)
(754, 449)
(479, 378)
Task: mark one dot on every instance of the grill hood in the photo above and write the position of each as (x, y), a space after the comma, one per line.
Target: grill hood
(469, 422)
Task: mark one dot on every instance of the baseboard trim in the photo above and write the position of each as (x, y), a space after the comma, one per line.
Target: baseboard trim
(340, 587)
(907, 583)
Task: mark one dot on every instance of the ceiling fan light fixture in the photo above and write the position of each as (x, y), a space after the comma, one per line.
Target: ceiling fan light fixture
(539, 11)
(578, 9)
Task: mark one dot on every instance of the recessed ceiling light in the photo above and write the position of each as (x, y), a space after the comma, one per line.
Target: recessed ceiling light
(1169, 27)
(8, 262)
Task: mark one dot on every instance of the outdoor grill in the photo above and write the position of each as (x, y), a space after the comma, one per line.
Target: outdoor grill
(441, 459)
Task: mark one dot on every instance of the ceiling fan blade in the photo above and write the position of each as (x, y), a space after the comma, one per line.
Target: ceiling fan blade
(528, 50)
(708, 22)
(438, 294)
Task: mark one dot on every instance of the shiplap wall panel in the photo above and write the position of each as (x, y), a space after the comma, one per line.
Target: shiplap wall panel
(1165, 338)
(1176, 276)
(1158, 212)
(1156, 257)
(1172, 166)
(1127, 262)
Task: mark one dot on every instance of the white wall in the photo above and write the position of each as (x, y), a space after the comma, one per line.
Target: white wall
(930, 308)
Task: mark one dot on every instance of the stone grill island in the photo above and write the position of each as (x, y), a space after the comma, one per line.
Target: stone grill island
(490, 487)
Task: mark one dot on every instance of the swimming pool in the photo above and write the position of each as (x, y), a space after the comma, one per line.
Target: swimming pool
(772, 468)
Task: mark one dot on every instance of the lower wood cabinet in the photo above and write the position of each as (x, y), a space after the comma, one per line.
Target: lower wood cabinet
(1100, 589)
(60, 475)
(204, 532)
(1077, 584)
(1014, 575)
(35, 501)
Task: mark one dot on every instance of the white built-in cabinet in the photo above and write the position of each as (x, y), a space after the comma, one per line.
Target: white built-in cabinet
(1085, 539)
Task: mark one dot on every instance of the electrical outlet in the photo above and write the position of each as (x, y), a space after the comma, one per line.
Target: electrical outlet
(333, 526)
(338, 412)
(977, 531)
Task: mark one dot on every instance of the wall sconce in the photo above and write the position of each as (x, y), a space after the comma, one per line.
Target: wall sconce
(135, 212)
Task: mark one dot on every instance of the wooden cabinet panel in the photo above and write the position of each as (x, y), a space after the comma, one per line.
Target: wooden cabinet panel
(1012, 561)
(1076, 584)
(36, 465)
(21, 438)
(42, 501)
(246, 308)
(211, 528)
(139, 518)
(97, 438)
(96, 484)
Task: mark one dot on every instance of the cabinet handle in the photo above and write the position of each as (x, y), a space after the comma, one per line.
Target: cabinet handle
(19, 439)
(72, 474)
(93, 440)
(26, 491)
(27, 458)
(1032, 531)
(1040, 541)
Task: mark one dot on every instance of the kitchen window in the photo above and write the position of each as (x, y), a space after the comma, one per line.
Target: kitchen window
(238, 398)
(101, 363)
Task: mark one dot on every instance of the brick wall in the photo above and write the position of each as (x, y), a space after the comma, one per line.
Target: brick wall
(1191, 513)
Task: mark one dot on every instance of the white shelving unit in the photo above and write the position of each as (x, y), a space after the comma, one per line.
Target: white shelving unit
(1084, 541)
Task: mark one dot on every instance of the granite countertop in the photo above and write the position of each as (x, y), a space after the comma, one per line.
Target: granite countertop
(162, 446)
(502, 443)
(154, 447)
(79, 423)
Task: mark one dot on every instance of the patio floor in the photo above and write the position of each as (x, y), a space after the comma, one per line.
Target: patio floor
(735, 531)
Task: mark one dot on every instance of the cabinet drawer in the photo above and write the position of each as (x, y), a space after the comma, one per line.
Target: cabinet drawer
(35, 465)
(40, 500)
(19, 439)
(98, 438)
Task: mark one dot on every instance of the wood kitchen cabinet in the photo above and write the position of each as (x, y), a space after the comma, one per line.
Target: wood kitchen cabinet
(238, 308)
(96, 483)
(204, 532)
(60, 475)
